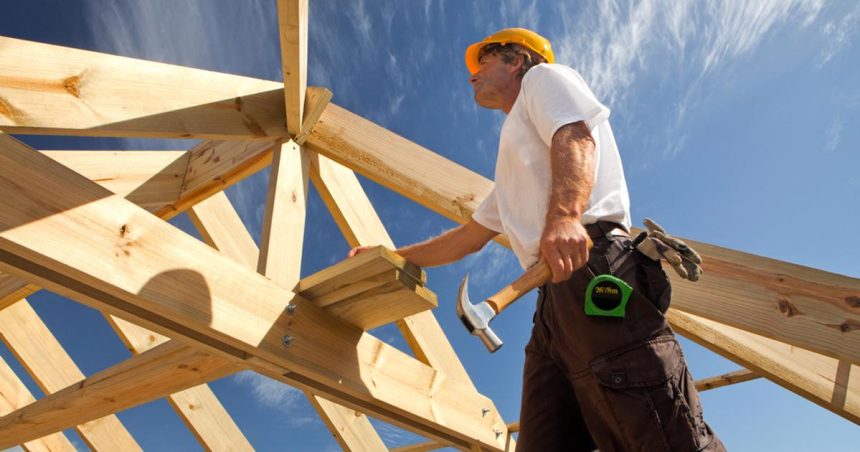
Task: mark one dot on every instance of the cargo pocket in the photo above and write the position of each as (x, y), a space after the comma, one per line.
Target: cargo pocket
(645, 395)
(659, 289)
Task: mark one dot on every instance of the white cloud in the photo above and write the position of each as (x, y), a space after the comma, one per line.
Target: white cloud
(394, 436)
(837, 33)
(278, 396)
(834, 134)
(616, 44)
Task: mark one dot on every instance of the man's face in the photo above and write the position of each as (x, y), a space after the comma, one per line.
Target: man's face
(495, 82)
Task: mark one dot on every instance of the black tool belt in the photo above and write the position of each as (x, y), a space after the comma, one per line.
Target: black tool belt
(605, 229)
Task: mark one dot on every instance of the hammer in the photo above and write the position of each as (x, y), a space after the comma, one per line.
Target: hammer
(477, 317)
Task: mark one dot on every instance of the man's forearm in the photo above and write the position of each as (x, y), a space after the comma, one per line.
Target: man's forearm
(451, 246)
(572, 159)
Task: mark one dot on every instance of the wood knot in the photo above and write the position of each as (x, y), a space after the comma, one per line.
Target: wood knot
(853, 301)
(123, 230)
(72, 85)
(846, 326)
(787, 309)
(238, 103)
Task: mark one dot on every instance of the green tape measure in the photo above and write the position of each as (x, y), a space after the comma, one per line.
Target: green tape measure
(607, 296)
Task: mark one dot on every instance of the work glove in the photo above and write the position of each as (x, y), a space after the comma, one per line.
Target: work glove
(658, 244)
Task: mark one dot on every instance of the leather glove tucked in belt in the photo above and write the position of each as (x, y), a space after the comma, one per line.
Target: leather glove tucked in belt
(658, 244)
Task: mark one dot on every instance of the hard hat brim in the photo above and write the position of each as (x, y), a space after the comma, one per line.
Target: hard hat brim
(472, 63)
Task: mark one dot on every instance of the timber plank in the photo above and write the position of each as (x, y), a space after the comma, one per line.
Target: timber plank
(13, 289)
(51, 367)
(355, 269)
(122, 267)
(283, 234)
(351, 429)
(359, 223)
(149, 178)
(828, 382)
(801, 306)
(738, 376)
(14, 395)
(47, 89)
(293, 27)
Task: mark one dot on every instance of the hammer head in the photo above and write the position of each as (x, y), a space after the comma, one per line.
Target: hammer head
(477, 318)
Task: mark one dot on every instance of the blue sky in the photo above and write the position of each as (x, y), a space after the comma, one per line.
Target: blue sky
(737, 122)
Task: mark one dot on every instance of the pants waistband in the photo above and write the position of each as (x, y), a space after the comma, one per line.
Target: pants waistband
(605, 229)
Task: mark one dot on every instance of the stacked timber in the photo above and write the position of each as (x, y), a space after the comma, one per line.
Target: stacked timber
(369, 290)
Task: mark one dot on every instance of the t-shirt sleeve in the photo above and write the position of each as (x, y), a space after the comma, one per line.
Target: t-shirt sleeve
(487, 213)
(555, 97)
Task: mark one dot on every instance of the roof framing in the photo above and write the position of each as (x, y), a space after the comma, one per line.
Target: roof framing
(791, 324)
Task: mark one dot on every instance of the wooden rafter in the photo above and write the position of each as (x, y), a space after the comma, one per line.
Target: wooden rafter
(128, 172)
(293, 26)
(49, 90)
(136, 277)
(14, 395)
(738, 376)
(164, 370)
(359, 223)
(455, 192)
(51, 367)
(350, 428)
(826, 381)
(197, 406)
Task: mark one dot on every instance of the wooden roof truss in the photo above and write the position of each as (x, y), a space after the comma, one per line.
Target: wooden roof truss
(90, 225)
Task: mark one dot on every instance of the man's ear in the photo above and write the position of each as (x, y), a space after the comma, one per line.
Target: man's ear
(519, 61)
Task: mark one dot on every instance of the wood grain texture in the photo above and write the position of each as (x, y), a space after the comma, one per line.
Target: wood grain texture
(738, 376)
(293, 30)
(47, 89)
(828, 382)
(283, 234)
(120, 265)
(14, 395)
(52, 369)
(801, 306)
(147, 178)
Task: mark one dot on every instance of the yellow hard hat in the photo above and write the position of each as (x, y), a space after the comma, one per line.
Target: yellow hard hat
(521, 36)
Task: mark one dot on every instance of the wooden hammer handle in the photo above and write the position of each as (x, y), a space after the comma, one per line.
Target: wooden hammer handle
(535, 276)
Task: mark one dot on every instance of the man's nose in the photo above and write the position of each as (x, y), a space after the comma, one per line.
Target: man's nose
(473, 79)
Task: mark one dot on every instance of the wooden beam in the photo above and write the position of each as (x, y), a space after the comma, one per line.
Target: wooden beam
(399, 164)
(284, 219)
(357, 219)
(163, 370)
(120, 265)
(218, 222)
(801, 306)
(51, 367)
(14, 395)
(197, 406)
(146, 178)
(216, 219)
(47, 89)
(738, 376)
(13, 289)
(316, 101)
(293, 26)
(830, 383)
(350, 207)
(132, 172)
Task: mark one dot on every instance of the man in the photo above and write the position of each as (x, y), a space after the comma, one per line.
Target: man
(590, 381)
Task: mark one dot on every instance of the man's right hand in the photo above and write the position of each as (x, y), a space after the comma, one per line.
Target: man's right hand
(359, 249)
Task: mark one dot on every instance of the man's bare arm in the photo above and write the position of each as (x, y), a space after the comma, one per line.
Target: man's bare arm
(564, 244)
(451, 246)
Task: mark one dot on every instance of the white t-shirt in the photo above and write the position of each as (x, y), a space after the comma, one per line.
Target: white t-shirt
(550, 97)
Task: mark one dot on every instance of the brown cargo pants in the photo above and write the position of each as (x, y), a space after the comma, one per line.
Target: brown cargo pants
(616, 384)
